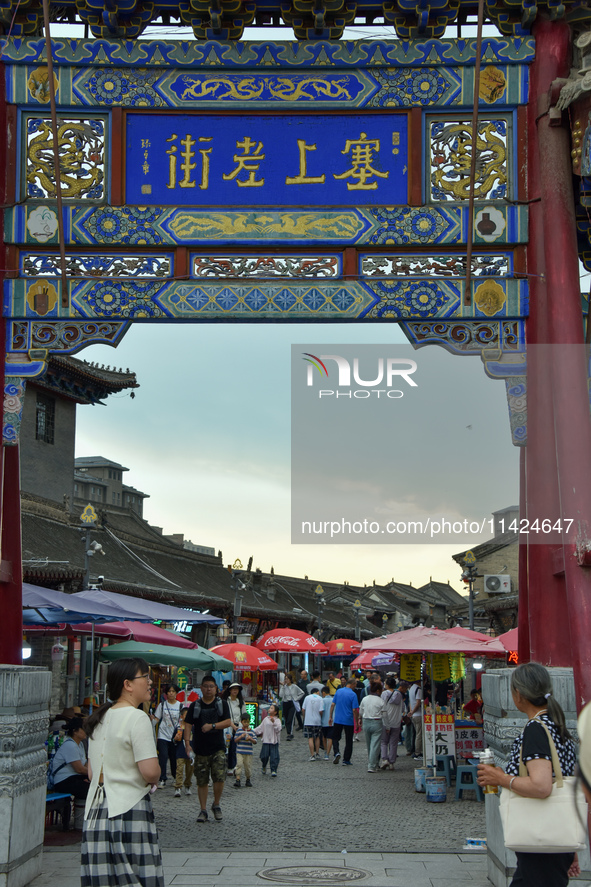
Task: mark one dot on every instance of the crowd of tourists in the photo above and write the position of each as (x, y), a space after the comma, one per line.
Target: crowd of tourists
(212, 738)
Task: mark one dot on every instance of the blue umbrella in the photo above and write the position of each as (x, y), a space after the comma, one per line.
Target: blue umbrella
(45, 606)
(152, 610)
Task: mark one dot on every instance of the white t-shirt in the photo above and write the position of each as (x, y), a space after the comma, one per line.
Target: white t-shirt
(236, 710)
(171, 715)
(313, 706)
(123, 738)
(371, 707)
(415, 693)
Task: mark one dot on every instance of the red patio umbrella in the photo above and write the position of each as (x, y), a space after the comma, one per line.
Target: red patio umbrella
(143, 632)
(245, 657)
(343, 647)
(364, 660)
(288, 640)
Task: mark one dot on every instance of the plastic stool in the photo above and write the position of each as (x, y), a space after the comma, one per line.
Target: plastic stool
(446, 764)
(58, 803)
(470, 772)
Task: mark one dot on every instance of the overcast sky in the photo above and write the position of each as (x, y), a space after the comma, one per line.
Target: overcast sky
(207, 436)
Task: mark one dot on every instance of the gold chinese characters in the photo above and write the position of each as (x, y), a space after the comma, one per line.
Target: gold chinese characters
(185, 170)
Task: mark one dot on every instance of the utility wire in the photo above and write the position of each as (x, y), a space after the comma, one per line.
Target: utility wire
(139, 559)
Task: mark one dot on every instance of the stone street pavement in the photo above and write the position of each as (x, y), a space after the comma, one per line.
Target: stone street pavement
(252, 869)
(317, 806)
(306, 817)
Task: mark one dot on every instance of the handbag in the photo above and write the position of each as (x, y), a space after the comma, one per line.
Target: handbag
(556, 824)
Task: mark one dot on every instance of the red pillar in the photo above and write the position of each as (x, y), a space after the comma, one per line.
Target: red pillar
(523, 644)
(544, 630)
(561, 367)
(11, 586)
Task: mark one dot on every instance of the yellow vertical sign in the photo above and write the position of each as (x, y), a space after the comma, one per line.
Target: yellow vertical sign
(457, 666)
(441, 670)
(410, 666)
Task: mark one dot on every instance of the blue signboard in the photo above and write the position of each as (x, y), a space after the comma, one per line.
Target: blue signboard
(267, 160)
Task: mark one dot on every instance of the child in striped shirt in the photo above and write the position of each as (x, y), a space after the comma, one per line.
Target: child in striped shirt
(245, 738)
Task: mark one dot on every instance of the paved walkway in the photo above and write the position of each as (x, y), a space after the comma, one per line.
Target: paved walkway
(242, 869)
(317, 806)
(307, 816)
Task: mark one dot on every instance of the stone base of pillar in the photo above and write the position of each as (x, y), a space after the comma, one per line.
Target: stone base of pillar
(502, 724)
(24, 719)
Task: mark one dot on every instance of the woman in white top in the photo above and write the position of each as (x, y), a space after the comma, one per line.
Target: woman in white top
(119, 839)
(291, 696)
(168, 716)
(370, 715)
(234, 698)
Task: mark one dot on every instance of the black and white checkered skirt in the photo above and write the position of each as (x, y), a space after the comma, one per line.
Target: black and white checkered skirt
(122, 851)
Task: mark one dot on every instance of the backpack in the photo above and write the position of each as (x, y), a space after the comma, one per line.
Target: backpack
(219, 707)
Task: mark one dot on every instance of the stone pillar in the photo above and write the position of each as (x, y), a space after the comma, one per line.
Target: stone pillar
(502, 724)
(24, 720)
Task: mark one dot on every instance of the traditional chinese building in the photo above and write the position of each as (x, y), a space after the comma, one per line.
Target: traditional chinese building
(48, 425)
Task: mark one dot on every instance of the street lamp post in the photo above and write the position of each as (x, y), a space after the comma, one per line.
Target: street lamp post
(89, 520)
(469, 575)
(238, 587)
(319, 592)
(357, 605)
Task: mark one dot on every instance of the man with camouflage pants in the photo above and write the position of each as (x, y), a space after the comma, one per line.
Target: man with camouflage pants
(208, 718)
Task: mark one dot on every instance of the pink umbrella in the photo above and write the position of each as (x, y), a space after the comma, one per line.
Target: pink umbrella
(475, 636)
(143, 632)
(343, 647)
(509, 640)
(245, 658)
(288, 640)
(432, 640)
(469, 633)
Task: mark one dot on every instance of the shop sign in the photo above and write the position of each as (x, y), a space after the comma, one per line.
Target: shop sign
(410, 667)
(440, 670)
(444, 735)
(267, 160)
(457, 665)
(182, 679)
(469, 740)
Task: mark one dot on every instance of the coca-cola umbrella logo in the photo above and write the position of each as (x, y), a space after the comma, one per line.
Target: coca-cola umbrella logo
(290, 641)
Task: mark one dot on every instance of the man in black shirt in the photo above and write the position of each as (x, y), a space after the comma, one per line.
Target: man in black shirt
(207, 718)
